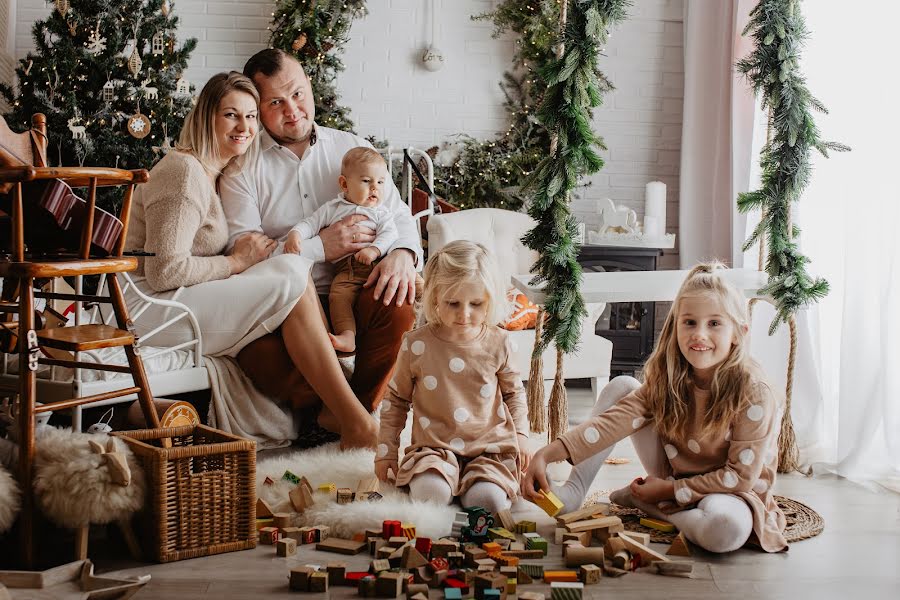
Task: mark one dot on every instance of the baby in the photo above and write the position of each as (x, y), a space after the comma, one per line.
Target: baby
(363, 173)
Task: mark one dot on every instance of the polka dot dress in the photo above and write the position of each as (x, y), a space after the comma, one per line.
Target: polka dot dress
(468, 403)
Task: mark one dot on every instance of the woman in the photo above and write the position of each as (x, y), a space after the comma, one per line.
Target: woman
(177, 216)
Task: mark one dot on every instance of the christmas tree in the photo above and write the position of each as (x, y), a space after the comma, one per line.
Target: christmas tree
(108, 74)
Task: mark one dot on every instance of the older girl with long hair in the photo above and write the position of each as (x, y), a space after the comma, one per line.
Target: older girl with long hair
(704, 423)
(237, 298)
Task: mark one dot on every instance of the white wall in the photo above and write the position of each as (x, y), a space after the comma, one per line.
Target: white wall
(394, 98)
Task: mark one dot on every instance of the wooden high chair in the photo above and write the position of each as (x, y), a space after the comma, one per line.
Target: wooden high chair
(19, 269)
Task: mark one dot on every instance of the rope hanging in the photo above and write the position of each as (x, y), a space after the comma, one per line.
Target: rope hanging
(558, 406)
(537, 418)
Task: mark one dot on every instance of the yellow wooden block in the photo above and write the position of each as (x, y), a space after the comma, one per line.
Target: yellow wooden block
(491, 547)
(329, 488)
(564, 576)
(663, 526)
(549, 503)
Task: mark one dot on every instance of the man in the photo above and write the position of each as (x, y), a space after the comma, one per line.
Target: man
(295, 173)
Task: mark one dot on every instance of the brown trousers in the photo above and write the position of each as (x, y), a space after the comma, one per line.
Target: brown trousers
(345, 288)
(379, 334)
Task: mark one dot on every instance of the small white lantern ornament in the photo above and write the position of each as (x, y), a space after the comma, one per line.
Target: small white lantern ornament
(433, 58)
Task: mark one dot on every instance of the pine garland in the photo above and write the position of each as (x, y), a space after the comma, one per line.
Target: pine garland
(65, 80)
(778, 29)
(316, 31)
(575, 87)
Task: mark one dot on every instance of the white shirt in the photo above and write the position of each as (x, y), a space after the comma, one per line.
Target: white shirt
(278, 190)
(379, 218)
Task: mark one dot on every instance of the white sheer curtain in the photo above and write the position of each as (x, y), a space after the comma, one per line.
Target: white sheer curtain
(849, 216)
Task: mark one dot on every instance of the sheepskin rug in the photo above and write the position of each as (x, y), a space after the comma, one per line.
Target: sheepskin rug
(344, 468)
(10, 499)
(73, 485)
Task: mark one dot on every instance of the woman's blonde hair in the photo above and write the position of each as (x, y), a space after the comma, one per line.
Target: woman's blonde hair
(198, 133)
(667, 373)
(462, 262)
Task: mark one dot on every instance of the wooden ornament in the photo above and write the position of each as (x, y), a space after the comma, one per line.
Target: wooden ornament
(164, 9)
(180, 413)
(62, 7)
(299, 42)
(139, 126)
(134, 61)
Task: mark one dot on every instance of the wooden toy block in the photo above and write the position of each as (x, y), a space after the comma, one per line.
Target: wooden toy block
(372, 533)
(501, 532)
(291, 532)
(379, 565)
(281, 520)
(260, 523)
(423, 545)
(549, 503)
(396, 556)
(523, 577)
(582, 537)
(566, 590)
(490, 582)
(341, 546)
(507, 520)
(647, 555)
(452, 593)
(416, 588)
(398, 541)
(576, 557)
(288, 476)
(439, 564)
(390, 529)
(526, 554)
(490, 594)
(536, 571)
(328, 488)
(589, 574)
(388, 585)
(300, 577)
(510, 572)
(491, 547)
(438, 578)
(613, 546)
(530, 596)
(268, 481)
(592, 524)
(409, 530)
(444, 548)
(369, 484)
(456, 559)
(375, 544)
(385, 552)
(511, 585)
(560, 576)
(412, 558)
(286, 547)
(263, 510)
(516, 546)
(507, 561)
(675, 569)
(269, 535)
(344, 495)
(504, 542)
(307, 535)
(639, 537)
(353, 577)
(486, 562)
(525, 526)
(537, 543)
(318, 582)
(582, 514)
(663, 526)
(419, 596)
(473, 554)
(558, 534)
(323, 531)
(679, 547)
(337, 573)
(530, 535)
(570, 544)
(301, 497)
(367, 587)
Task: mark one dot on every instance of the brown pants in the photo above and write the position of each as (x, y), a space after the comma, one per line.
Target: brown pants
(345, 288)
(379, 334)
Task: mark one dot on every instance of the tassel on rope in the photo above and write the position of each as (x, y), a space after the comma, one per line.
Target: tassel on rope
(536, 416)
(558, 406)
(788, 454)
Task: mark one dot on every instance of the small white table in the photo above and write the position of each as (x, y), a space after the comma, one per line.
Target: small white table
(642, 286)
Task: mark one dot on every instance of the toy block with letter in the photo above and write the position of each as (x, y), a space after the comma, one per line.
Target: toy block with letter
(286, 547)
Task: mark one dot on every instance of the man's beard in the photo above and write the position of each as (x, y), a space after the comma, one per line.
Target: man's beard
(294, 140)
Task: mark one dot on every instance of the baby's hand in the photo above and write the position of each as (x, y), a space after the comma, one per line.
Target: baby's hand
(524, 452)
(292, 245)
(381, 470)
(367, 255)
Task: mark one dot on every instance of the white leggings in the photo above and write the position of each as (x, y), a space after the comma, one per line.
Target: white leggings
(720, 523)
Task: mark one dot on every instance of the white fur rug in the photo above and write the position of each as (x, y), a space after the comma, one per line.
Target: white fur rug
(9, 499)
(344, 468)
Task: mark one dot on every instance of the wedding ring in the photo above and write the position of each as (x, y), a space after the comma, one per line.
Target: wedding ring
(354, 237)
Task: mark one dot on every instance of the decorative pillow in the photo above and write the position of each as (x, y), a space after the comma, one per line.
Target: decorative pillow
(524, 313)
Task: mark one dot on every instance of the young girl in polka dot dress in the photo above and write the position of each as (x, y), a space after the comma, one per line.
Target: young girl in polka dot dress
(470, 418)
(704, 423)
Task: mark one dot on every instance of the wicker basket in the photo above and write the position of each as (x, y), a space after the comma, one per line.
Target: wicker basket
(201, 490)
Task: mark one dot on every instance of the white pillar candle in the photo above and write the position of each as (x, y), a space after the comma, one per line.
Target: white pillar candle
(655, 201)
(652, 230)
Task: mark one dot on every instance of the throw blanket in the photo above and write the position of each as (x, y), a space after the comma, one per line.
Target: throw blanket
(239, 408)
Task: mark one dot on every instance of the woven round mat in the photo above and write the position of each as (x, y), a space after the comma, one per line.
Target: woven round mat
(802, 521)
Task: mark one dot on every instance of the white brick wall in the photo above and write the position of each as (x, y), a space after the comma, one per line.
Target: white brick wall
(393, 97)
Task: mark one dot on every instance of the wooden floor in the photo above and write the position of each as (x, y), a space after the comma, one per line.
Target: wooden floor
(857, 556)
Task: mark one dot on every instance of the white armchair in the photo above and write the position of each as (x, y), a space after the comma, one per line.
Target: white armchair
(501, 231)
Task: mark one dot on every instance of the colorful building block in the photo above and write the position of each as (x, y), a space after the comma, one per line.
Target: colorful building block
(560, 576)
(560, 590)
(288, 476)
(269, 535)
(663, 526)
(549, 503)
(452, 593)
(525, 526)
(328, 488)
(286, 547)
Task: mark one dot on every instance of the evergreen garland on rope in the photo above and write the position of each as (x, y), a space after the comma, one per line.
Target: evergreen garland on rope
(316, 31)
(574, 88)
(778, 29)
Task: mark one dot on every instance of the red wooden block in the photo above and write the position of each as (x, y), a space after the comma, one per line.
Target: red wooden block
(440, 564)
(456, 583)
(391, 529)
(423, 545)
(355, 575)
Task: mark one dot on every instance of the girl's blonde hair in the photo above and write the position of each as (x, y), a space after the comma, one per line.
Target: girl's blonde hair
(463, 262)
(667, 373)
(198, 133)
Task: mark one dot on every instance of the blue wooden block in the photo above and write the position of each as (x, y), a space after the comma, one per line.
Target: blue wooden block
(452, 593)
(491, 594)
